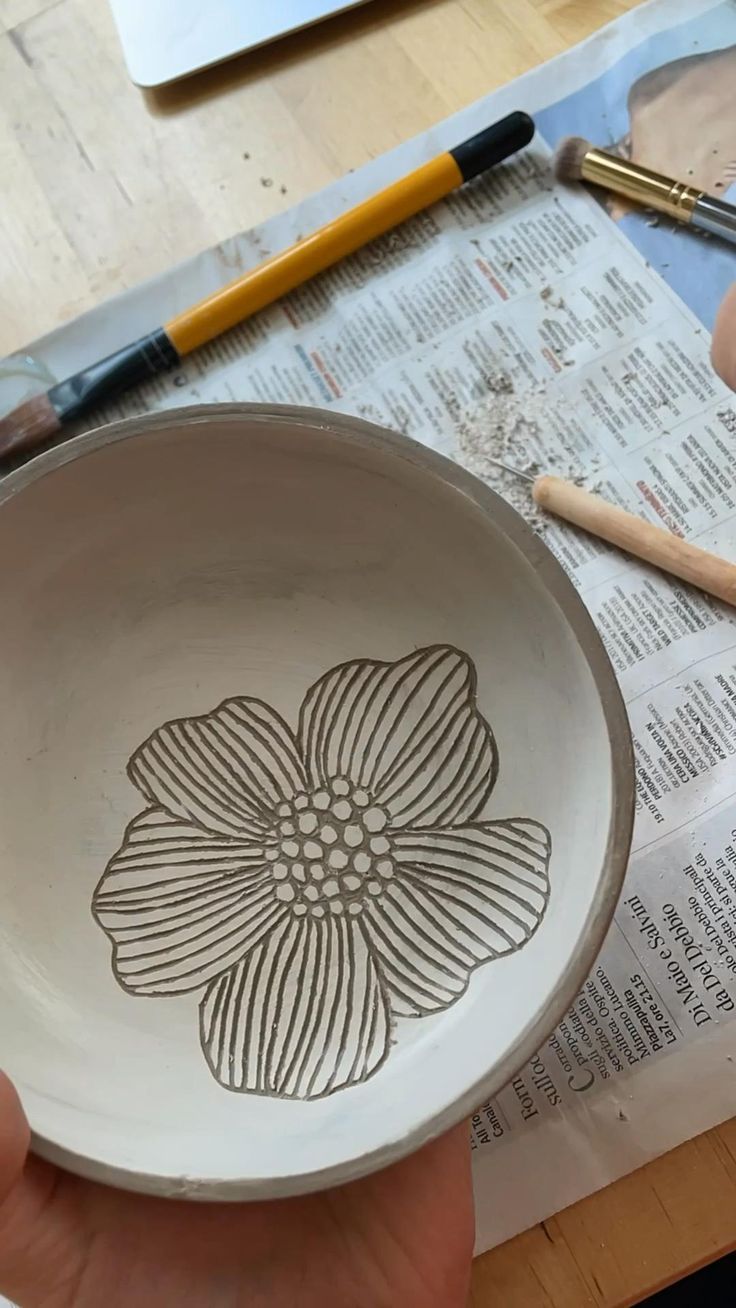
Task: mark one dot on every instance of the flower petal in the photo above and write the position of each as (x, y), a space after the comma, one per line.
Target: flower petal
(460, 897)
(302, 1015)
(407, 732)
(227, 770)
(180, 905)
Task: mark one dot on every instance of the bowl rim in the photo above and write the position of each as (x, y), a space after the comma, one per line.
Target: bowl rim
(358, 431)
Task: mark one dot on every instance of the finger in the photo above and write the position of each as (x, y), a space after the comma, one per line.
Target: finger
(14, 1138)
(40, 1245)
(411, 1226)
(723, 348)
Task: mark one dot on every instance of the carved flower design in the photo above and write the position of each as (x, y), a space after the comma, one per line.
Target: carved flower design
(319, 885)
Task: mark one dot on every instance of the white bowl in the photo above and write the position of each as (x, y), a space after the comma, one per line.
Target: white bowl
(293, 712)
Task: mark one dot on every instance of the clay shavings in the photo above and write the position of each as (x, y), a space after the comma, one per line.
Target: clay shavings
(509, 428)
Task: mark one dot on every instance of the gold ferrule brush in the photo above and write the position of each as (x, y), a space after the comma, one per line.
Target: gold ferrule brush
(577, 160)
(640, 184)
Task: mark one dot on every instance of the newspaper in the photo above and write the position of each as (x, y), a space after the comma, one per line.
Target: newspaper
(609, 312)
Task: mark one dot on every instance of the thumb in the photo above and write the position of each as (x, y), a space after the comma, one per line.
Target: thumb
(35, 1247)
(723, 348)
(15, 1138)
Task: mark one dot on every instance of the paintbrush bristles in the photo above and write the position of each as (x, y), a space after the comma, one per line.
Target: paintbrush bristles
(569, 157)
(29, 425)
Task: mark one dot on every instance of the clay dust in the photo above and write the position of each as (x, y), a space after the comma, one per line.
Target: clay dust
(509, 427)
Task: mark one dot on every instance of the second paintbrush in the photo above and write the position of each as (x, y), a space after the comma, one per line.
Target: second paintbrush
(576, 160)
(39, 419)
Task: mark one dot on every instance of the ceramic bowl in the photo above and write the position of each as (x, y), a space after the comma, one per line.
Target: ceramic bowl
(316, 798)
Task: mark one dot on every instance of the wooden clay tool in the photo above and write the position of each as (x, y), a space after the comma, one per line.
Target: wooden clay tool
(652, 544)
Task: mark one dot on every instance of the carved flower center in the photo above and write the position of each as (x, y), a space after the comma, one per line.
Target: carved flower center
(330, 851)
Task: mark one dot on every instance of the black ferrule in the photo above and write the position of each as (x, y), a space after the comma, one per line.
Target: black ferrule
(493, 144)
(135, 363)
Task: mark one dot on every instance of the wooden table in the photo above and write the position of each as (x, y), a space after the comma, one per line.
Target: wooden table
(102, 186)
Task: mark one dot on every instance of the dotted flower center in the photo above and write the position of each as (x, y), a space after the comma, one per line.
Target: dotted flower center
(330, 852)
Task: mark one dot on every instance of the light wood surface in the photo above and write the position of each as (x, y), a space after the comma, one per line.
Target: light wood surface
(102, 186)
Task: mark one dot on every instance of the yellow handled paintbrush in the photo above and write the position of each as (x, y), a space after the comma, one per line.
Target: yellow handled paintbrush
(38, 419)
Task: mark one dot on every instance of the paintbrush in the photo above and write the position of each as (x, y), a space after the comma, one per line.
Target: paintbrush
(576, 160)
(38, 419)
(651, 544)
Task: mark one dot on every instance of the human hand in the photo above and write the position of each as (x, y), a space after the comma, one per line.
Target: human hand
(723, 349)
(401, 1238)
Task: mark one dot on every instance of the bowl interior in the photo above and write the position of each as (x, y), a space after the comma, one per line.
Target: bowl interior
(225, 555)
